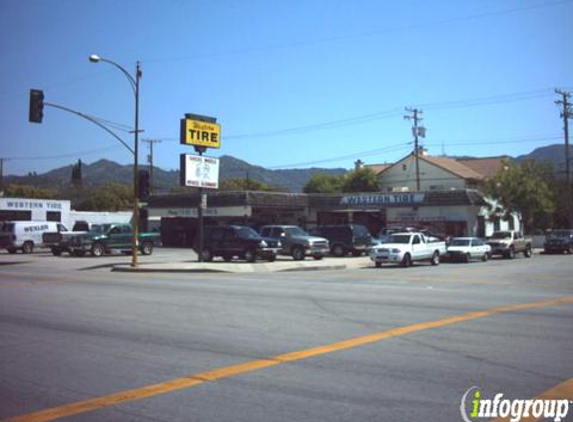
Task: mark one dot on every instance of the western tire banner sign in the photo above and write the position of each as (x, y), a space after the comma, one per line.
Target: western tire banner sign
(200, 133)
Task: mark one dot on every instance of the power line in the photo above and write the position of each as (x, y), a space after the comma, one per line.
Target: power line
(359, 35)
(394, 112)
(379, 151)
(74, 154)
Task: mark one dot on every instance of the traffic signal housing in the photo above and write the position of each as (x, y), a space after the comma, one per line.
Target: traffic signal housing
(36, 106)
(143, 185)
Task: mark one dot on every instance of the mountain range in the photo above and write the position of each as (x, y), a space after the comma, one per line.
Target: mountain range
(106, 171)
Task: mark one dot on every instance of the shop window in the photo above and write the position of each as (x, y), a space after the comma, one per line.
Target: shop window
(15, 215)
(53, 216)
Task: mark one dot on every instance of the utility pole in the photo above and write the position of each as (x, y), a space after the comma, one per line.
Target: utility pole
(2, 176)
(150, 159)
(416, 131)
(566, 114)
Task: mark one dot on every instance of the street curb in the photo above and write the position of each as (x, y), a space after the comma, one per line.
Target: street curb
(243, 269)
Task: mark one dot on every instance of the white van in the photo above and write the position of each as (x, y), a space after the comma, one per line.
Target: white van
(25, 235)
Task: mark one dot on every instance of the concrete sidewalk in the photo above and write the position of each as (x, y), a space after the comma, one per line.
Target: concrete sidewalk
(246, 267)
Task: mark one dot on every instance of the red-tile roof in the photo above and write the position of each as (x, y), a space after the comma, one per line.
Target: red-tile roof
(487, 167)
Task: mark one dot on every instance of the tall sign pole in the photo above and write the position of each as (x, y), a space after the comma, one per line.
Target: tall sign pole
(202, 132)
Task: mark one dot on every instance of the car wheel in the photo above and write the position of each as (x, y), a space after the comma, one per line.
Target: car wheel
(510, 254)
(207, 255)
(227, 258)
(250, 255)
(467, 258)
(297, 253)
(528, 253)
(406, 261)
(485, 257)
(11, 250)
(339, 250)
(56, 251)
(147, 248)
(378, 264)
(97, 250)
(28, 247)
(436, 258)
(272, 258)
(317, 257)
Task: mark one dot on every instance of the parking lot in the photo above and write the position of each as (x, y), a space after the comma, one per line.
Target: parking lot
(83, 343)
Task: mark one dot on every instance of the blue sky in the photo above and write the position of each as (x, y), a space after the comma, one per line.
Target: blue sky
(296, 83)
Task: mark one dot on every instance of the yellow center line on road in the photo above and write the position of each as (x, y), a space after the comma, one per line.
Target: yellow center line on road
(242, 368)
(563, 391)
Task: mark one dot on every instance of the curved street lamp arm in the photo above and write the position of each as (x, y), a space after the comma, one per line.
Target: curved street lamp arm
(91, 119)
(125, 72)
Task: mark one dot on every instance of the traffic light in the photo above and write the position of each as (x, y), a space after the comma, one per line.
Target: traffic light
(143, 185)
(36, 106)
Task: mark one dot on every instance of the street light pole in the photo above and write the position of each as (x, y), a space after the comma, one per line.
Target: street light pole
(134, 82)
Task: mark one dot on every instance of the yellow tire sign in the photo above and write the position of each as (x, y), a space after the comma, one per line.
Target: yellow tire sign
(202, 134)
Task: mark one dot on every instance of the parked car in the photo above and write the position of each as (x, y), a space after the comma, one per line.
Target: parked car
(296, 242)
(466, 249)
(508, 243)
(560, 241)
(59, 241)
(242, 241)
(405, 248)
(25, 235)
(344, 239)
(107, 237)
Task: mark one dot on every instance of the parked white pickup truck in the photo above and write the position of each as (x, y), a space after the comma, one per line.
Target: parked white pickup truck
(405, 248)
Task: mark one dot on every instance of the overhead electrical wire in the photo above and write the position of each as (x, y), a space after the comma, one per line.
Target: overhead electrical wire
(360, 35)
(512, 97)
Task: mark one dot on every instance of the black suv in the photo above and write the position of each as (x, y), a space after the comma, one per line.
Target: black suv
(346, 238)
(241, 241)
(559, 241)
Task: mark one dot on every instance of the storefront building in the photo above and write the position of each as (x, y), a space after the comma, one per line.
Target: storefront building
(448, 202)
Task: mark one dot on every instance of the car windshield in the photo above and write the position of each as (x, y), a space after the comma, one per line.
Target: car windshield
(562, 233)
(247, 233)
(296, 231)
(100, 228)
(398, 238)
(501, 235)
(460, 242)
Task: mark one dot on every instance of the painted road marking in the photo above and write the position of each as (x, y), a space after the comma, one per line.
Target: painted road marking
(242, 368)
(559, 392)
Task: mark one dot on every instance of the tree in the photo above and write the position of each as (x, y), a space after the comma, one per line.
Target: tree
(523, 189)
(248, 184)
(111, 197)
(323, 183)
(361, 180)
(25, 191)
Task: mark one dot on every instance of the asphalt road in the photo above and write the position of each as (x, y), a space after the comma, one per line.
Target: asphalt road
(98, 346)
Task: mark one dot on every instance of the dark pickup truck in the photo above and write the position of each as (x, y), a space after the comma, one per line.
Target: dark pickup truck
(111, 237)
